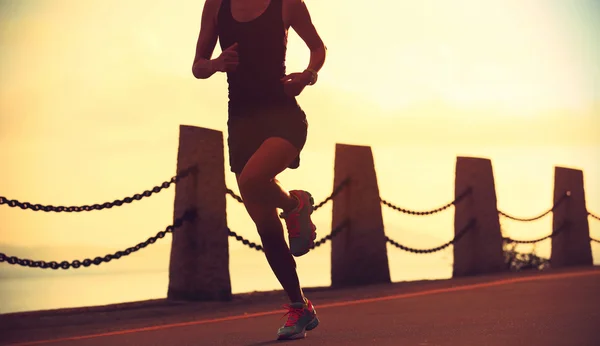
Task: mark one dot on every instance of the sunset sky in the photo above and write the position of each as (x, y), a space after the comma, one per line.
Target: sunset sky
(92, 94)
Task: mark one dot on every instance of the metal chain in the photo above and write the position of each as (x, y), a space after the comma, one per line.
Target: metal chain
(331, 235)
(430, 212)
(318, 243)
(595, 240)
(555, 232)
(189, 215)
(245, 241)
(107, 205)
(337, 190)
(232, 194)
(435, 249)
(560, 200)
(594, 216)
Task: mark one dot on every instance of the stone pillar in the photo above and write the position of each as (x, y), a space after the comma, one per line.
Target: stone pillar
(199, 264)
(479, 251)
(358, 253)
(571, 246)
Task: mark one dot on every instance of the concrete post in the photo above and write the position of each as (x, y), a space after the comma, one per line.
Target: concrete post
(199, 264)
(571, 246)
(358, 253)
(479, 251)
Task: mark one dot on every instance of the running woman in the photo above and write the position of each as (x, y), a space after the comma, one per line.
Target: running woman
(267, 128)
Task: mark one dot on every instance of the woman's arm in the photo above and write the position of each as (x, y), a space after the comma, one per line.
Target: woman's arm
(203, 67)
(301, 22)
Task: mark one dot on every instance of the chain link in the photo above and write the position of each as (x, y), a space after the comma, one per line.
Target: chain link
(187, 216)
(318, 243)
(337, 190)
(245, 241)
(555, 232)
(456, 238)
(107, 205)
(429, 212)
(594, 216)
(560, 200)
(331, 235)
(232, 194)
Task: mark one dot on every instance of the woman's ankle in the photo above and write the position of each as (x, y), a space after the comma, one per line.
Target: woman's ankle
(291, 204)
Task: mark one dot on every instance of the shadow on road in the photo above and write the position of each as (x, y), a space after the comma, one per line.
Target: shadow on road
(272, 342)
(265, 343)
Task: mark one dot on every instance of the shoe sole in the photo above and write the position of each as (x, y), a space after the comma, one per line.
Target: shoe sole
(313, 324)
(314, 228)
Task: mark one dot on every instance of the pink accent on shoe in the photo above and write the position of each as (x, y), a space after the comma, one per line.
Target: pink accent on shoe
(301, 229)
(292, 219)
(293, 315)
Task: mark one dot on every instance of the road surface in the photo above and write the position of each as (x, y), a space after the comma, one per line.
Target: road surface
(559, 307)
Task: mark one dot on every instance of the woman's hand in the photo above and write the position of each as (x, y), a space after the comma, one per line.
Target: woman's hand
(228, 60)
(294, 83)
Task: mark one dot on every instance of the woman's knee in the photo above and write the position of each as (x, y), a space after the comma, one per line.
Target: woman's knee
(251, 182)
(272, 157)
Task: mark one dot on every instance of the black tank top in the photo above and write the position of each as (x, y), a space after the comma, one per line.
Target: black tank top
(262, 46)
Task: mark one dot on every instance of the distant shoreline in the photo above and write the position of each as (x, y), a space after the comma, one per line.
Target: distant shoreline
(258, 296)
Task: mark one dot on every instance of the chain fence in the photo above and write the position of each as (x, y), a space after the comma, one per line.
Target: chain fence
(335, 192)
(234, 195)
(107, 205)
(429, 212)
(559, 229)
(318, 243)
(558, 202)
(456, 238)
(190, 215)
(597, 218)
(187, 216)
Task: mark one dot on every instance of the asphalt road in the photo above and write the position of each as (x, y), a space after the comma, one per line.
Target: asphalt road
(550, 309)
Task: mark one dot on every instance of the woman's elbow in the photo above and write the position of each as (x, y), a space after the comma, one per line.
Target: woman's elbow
(198, 73)
(321, 47)
(320, 51)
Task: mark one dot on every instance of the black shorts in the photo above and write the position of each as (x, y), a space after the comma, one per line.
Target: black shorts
(249, 127)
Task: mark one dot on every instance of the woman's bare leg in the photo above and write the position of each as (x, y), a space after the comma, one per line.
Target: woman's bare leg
(262, 195)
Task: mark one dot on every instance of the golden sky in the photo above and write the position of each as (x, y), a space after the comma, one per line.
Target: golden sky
(92, 93)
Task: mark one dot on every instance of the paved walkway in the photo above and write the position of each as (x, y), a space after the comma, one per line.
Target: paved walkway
(546, 309)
